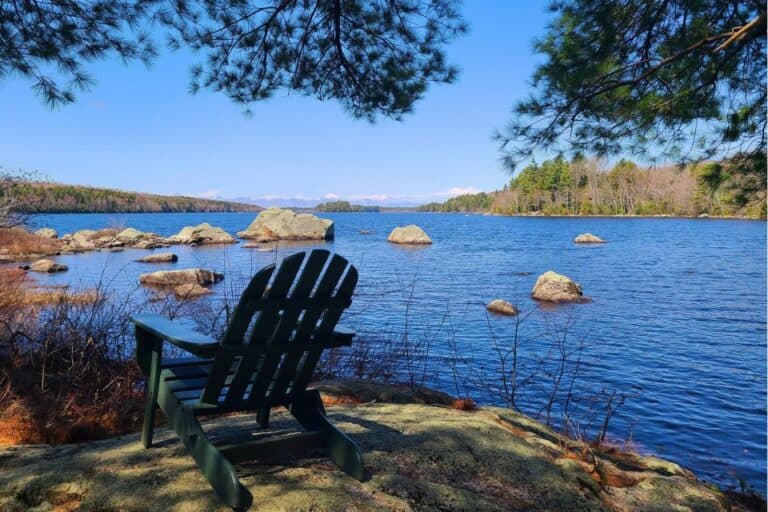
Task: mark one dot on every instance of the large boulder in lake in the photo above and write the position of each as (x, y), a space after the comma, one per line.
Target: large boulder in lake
(200, 235)
(47, 233)
(283, 224)
(409, 235)
(178, 277)
(159, 257)
(46, 266)
(588, 238)
(554, 287)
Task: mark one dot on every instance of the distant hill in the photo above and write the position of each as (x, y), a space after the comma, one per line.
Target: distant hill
(45, 197)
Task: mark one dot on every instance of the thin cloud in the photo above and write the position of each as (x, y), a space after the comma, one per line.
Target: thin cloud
(376, 198)
(209, 194)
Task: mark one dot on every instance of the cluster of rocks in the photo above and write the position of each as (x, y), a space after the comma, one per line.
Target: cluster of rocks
(184, 284)
(550, 287)
(87, 240)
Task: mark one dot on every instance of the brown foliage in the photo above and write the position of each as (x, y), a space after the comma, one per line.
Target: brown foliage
(64, 374)
(464, 404)
(20, 242)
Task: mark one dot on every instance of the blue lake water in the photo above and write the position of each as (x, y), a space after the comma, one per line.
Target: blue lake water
(678, 310)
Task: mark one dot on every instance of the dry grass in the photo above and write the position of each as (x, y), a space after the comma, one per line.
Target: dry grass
(65, 374)
(20, 242)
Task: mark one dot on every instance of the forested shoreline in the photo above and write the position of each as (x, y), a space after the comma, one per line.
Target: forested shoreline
(733, 188)
(47, 197)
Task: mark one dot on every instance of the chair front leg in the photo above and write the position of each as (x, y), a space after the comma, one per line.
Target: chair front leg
(310, 413)
(149, 353)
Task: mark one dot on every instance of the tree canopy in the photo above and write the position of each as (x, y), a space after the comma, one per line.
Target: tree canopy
(684, 79)
(376, 57)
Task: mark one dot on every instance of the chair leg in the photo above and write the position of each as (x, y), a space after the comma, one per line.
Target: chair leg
(262, 415)
(150, 398)
(219, 472)
(310, 413)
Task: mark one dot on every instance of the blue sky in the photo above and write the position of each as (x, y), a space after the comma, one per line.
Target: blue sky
(139, 129)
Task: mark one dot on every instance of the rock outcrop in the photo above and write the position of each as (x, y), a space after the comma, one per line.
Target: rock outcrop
(554, 287)
(588, 238)
(47, 233)
(178, 277)
(502, 307)
(131, 235)
(282, 224)
(409, 235)
(45, 266)
(421, 457)
(201, 234)
(159, 257)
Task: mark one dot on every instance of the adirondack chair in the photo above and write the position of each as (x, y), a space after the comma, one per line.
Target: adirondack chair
(292, 314)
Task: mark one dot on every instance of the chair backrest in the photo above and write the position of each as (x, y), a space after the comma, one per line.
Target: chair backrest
(288, 317)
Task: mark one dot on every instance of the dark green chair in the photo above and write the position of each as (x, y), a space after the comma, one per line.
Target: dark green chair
(284, 320)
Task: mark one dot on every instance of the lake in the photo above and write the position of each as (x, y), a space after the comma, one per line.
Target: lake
(677, 316)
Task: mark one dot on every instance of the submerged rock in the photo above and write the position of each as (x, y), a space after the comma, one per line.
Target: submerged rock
(588, 238)
(190, 291)
(422, 457)
(47, 233)
(46, 266)
(177, 277)
(201, 234)
(283, 224)
(409, 235)
(159, 257)
(554, 287)
(502, 307)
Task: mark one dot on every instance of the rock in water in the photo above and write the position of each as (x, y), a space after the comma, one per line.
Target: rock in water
(130, 235)
(47, 266)
(554, 287)
(502, 307)
(201, 234)
(283, 224)
(588, 238)
(410, 235)
(47, 233)
(159, 257)
(177, 277)
(190, 291)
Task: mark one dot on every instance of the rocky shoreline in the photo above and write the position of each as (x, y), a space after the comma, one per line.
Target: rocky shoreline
(484, 459)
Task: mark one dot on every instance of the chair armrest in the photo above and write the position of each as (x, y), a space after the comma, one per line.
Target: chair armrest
(344, 334)
(176, 333)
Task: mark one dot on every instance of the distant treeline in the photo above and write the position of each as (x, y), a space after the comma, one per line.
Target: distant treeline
(736, 187)
(345, 206)
(43, 197)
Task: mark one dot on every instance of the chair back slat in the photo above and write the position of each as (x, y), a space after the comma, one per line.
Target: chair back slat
(266, 323)
(322, 332)
(282, 369)
(235, 333)
(301, 306)
(286, 372)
